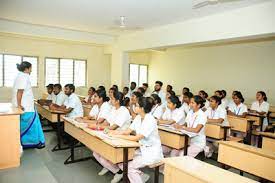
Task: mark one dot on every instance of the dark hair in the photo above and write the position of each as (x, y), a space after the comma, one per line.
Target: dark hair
(23, 65)
(114, 89)
(217, 99)
(185, 88)
(204, 93)
(137, 94)
(188, 94)
(115, 86)
(145, 84)
(50, 86)
(233, 93)
(146, 103)
(223, 93)
(126, 101)
(170, 86)
(120, 97)
(239, 95)
(263, 94)
(102, 94)
(133, 83)
(57, 86)
(156, 98)
(171, 92)
(71, 86)
(219, 92)
(175, 100)
(142, 90)
(126, 88)
(101, 88)
(92, 88)
(159, 82)
(199, 100)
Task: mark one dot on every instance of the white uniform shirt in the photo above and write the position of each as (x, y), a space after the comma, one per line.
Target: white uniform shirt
(224, 103)
(87, 98)
(74, 102)
(60, 98)
(151, 150)
(176, 115)
(219, 113)
(162, 95)
(157, 111)
(238, 110)
(23, 82)
(51, 96)
(193, 120)
(264, 107)
(185, 108)
(120, 117)
(206, 104)
(94, 111)
(103, 111)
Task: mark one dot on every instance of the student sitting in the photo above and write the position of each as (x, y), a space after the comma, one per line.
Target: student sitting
(184, 90)
(60, 97)
(222, 95)
(144, 130)
(133, 102)
(157, 110)
(204, 95)
(133, 86)
(51, 95)
(126, 92)
(90, 98)
(238, 108)
(194, 122)
(141, 90)
(231, 101)
(72, 105)
(145, 86)
(169, 88)
(168, 94)
(158, 91)
(185, 107)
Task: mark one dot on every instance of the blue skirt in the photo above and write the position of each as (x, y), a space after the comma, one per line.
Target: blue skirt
(31, 131)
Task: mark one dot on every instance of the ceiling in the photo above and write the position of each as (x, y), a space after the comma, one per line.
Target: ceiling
(98, 16)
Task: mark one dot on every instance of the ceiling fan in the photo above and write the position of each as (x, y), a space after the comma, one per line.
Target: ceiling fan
(211, 2)
(120, 25)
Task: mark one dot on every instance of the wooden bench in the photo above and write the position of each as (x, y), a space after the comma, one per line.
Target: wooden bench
(256, 161)
(188, 169)
(86, 109)
(268, 141)
(216, 131)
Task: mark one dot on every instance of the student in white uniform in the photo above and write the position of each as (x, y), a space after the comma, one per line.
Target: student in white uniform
(184, 90)
(159, 92)
(133, 86)
(100, 111)
(51, 95)
(168, 94)
(126, 92)
(204, 95)
(194, 122)
(185, 107)
(169, 88)
(60, 97)
(133, 101)
(90, 98)
(72, 105)
(157, 110)
(145, 129)
(261, 106)
(141, 90)
(231, 101)
(146, 86)
(118, 119)
(222, 94)
(238, 108)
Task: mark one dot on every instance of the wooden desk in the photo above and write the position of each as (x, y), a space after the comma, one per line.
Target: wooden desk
(173, 138)
(259, 119)
(86, 109)
(9, 136)
(188, 169)
(247, 158)
(216, 131)
(113, 149)
(268, 141)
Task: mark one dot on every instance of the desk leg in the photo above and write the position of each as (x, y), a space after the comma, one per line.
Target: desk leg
(225, 130)
(185, 149)
(249, 132)
(156, 178)
(125, 165)
(59, 137)
(260, 141)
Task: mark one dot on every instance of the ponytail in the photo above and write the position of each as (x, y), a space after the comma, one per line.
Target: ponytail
(23, 66)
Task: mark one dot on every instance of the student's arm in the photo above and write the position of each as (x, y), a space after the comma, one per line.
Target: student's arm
(166, 122)
(130, 137)
(220, 120)
(194, 130)
(243, 115)
(19, 98)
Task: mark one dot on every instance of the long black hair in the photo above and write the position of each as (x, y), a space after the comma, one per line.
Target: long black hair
(102, 94)
(146, 103)
(263, 94)
(175, 100)
(120, 97)
(199, 100)
(23, 65)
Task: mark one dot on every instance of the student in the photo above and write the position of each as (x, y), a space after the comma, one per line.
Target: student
(159, 92)
(133, 86)
(215, 113)
(204, 95)
(100, 111)
(145, 86)
(118, 119)
(126, 92)
(184, 90)
(186, 101)
(168, 94)
(101, 88)
(169, 88)
(133, 102)
(72, 105)
(111, 92)
(60, 97)
(145, 130)
(231, 101)
(51, 95)
(261, 107)
(141, 90)
(195, 123)
(173, 113)
(220, 94)
(31, 133)
(89, 99)
(157, 110)
(238, 108)
(115, 87)
(224, 99)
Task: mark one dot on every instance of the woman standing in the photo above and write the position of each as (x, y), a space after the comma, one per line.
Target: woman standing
(22, 97)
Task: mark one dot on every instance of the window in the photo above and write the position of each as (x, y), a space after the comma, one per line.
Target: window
(138, 74)
(8, 69)
(64, 71)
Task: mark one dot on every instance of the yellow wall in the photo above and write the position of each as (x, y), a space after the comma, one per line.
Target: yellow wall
(247, 67)
(98, 63)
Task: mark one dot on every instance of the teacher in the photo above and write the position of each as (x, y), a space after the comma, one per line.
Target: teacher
(22, 97)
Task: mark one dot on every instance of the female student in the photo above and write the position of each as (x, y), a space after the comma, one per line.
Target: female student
(133, 102)
(99, 111)
(90, 98)
(118, 119)
(222, 94)
(184, 90)
(260, 106)
(157, 109)
(204, 95)
(186, 101)
(50, 92)
(194, 122)
(231, 101)
(22, 97)
(145, 130)
(238, 108)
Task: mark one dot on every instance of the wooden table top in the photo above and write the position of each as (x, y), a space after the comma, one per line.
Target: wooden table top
(7, 109)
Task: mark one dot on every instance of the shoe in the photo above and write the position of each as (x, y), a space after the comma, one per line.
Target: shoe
(41, 146)
(117, 178)
(103, 171)
(145, 177)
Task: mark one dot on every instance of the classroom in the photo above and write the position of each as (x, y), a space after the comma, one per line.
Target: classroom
(135, 91)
